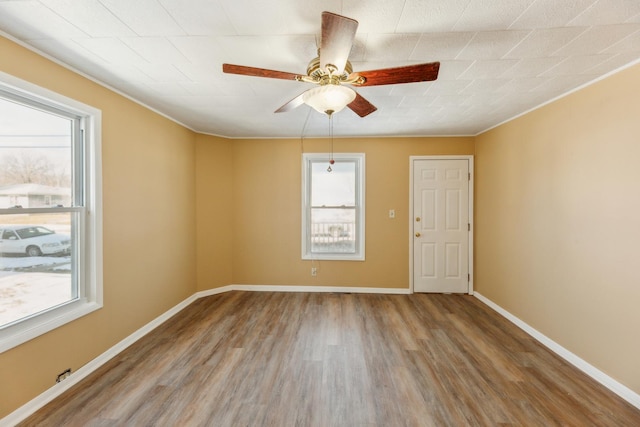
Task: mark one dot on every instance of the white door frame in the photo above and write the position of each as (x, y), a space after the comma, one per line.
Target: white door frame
(412, 160)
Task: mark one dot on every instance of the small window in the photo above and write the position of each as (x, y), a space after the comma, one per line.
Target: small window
(333, 207)
(9, 235)
(50, 257)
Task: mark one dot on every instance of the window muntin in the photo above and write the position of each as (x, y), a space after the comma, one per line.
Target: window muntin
(333, 207)
(50, 270)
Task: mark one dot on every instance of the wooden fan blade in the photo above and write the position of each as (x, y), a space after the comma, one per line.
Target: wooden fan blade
(361, 106)
(257, 72)
(408, 74)
(294, 103)
(338, 33)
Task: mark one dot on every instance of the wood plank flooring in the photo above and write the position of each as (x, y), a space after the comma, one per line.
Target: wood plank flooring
(306, 359)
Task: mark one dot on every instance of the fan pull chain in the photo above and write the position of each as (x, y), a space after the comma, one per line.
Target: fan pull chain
(331, 161)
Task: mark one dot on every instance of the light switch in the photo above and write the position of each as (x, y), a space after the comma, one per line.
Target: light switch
(392, 213)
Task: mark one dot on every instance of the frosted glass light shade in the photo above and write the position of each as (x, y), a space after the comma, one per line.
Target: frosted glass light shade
(329, 99)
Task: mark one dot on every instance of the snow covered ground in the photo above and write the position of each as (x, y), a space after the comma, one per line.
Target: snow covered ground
(22, 262)
(29, 285)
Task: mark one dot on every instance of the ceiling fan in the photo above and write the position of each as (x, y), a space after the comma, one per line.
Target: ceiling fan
(331, 71)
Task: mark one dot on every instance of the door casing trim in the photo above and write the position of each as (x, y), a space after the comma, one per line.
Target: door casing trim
(412, 160)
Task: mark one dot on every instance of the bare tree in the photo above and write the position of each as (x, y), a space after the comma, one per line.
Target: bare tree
(26, 167)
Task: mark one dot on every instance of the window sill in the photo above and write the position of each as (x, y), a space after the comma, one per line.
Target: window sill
(19, 333)
(332, 257)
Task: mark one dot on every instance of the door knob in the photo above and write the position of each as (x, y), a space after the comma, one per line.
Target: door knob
(417, 234)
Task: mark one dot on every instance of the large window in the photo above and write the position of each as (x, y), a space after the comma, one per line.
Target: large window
(50, 257)
(333, 207)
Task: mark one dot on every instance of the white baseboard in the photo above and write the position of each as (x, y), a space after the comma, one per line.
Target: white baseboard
(214, 291)
(287, 288)
(48, 395)
(327, 289)
(604, 379)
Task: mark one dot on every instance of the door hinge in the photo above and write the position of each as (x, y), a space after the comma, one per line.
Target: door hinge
(468, 277)
(469, 175)
(469, 227)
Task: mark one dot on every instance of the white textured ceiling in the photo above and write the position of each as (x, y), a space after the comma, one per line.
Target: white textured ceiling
(499, 58)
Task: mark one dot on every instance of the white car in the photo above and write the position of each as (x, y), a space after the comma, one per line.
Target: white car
(32, 240)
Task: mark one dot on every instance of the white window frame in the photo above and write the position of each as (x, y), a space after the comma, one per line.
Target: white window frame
(89, 229)
(359, 159)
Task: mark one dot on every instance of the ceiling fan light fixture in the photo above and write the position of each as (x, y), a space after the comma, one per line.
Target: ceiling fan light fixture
(329, 99)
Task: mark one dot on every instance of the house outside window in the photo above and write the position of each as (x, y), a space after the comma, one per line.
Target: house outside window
(333, 213)
(50, 211)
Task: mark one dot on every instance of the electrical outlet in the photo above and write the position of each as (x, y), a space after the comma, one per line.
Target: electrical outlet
(63, 375)
(314, 271)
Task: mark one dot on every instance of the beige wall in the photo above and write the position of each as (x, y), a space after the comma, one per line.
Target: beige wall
(214, 191)
(558, 222)
(149, 229)
(267, 211)
(249, 211)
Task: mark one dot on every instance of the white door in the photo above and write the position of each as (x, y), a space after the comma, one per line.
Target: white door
(441, 225)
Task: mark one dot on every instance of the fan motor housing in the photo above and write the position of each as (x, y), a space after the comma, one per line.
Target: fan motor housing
(326, 76)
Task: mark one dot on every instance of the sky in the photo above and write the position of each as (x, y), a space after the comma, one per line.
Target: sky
(35, 133)
(335, 188)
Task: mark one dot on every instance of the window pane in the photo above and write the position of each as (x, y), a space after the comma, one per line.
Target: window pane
(333, 219)
(35, 157)
(35, 264)
(335, 188)
(333, 230)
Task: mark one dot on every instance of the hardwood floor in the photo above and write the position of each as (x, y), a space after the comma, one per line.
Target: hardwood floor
(297, 359)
